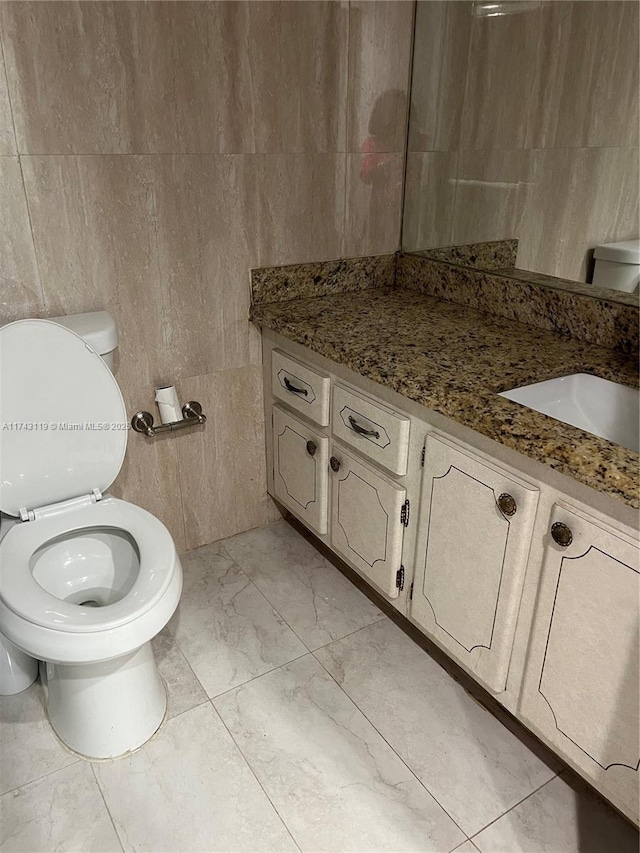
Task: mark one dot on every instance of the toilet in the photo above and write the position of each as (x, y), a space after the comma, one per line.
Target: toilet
(617, 266)
(86, 580)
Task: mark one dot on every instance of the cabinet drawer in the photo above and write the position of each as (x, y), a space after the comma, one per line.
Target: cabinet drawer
(300, 469)
(371, 428)
(300, 387)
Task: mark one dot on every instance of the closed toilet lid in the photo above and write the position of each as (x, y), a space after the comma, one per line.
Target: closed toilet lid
(63, 423)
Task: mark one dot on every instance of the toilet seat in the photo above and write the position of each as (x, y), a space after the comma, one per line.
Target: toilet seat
(21, 593)
(65, 424)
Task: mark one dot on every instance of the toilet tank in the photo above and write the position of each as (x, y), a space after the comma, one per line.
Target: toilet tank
(98, 328)
(617, 266)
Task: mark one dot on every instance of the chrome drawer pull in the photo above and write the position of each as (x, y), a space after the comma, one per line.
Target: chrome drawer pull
(355, 426)
(293, 388)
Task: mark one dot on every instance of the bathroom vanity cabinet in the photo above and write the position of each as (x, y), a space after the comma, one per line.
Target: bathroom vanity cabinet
(527, 580)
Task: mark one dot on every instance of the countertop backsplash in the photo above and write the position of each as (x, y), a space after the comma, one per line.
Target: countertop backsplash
(570, 312)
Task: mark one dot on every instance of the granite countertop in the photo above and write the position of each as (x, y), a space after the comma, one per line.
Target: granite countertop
(455, 360)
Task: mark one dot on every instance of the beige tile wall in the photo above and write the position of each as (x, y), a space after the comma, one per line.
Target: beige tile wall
(150, 155)
(525, 125)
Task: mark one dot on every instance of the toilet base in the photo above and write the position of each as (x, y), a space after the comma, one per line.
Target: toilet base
(17, 669)
(106, 709)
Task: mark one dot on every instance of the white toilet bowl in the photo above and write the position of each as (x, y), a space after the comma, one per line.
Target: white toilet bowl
(87, 580)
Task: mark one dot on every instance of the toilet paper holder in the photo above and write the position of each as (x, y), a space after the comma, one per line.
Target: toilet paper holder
(191, 416)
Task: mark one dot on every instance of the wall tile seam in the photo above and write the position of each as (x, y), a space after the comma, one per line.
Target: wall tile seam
(13, 122)
(284, 152)
(34, 245)
(347, 128)
(461, 150)
(536, 68)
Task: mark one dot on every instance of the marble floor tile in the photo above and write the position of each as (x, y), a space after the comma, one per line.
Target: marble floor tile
(225, 627)
(466, 847)
(315, 598)
(334, 781)
(559, 818)
(190, 789)
(60, 812)
(28, 747)
(184, 691)
(474, 766)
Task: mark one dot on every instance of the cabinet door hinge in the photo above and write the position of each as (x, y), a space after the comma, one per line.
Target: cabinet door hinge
(404, 514)
(411, 592)
(400, 578)
(422, 455)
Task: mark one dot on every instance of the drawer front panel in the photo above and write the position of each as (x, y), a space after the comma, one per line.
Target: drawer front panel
(300, 469)
(372, 429)
(300, 387)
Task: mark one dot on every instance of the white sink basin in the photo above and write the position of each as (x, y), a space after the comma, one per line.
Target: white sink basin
(595, 405)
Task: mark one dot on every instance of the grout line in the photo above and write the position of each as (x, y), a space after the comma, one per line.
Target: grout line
(19, 156)
(11, 112)
(308, 651)
(288, 154)
(113, 823)
(44, 775)
(350, 634)
(514, 806)
(407, 128)
(347, 101)
(468, 841)
(347, 128)
(400, 758)
(175, 717)
(284, 152)
(255, 677)
(33, 237)
(530, 93)
(253, 773)
(191, 669)
(275, 610)
(454, 205)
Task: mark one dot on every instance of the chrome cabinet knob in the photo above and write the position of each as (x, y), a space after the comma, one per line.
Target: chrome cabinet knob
(335, 463)
(507, 504)
(311, 448)
(561, 534)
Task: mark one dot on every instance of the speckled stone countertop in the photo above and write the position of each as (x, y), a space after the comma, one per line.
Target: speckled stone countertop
(455, 360)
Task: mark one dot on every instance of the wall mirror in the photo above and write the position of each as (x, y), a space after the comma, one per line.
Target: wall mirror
(524, 124)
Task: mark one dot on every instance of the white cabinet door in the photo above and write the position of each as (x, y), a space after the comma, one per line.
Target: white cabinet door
(300, 469)
(367, 524)
(581, 682)
(471, 558)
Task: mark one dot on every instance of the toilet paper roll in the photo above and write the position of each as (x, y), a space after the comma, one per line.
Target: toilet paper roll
(168, 404)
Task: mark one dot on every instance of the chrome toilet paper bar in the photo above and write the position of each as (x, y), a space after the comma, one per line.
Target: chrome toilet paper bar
(191, 416)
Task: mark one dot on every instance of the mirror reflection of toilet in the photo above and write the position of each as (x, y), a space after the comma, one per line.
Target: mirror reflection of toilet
(86, 580)
(617, 266)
